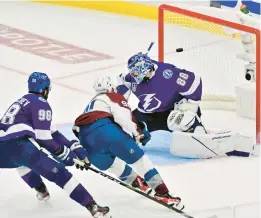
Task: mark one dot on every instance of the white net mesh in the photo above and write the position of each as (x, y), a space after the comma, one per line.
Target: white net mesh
(210, 51)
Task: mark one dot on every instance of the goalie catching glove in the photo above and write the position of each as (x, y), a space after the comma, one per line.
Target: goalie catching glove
(184, 115)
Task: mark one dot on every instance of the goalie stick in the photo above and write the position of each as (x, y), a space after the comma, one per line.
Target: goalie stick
(149, 48)
(131, 188)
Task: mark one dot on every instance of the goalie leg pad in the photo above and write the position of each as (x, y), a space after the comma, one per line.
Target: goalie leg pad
(244, 144)
(192, 145)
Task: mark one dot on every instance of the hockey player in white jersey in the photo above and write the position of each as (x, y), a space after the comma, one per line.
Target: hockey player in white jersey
(109, 134)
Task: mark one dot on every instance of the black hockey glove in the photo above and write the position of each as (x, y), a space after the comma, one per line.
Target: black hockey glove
(82, 164)
(85, 166)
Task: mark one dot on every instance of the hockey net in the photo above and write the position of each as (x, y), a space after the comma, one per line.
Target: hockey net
(210, 46)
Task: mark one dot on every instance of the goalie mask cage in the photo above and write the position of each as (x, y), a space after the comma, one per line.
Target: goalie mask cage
(219, 83)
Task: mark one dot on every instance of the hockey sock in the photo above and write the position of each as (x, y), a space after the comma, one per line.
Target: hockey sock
(30, 177)
(77, 192)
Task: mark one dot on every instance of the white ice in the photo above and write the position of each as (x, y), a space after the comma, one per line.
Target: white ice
(217, 185)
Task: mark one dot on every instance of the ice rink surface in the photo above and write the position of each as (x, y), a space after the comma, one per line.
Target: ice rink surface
(74, 47)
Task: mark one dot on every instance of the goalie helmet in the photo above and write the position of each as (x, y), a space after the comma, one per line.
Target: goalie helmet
(139, 66)
(104, 84)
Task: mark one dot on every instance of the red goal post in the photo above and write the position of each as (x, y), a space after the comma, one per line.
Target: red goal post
(163, 9)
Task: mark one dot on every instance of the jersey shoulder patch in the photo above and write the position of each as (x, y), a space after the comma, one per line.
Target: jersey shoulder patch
(38, 102)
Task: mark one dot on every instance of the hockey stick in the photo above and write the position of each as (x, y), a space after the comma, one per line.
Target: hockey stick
(149, 48)
(131, 188)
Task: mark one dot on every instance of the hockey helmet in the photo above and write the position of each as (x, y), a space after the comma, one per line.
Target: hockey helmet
(104, 84)
(139, 66)
(38, 82)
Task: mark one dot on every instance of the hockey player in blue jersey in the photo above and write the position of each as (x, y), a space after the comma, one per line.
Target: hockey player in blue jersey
(160, 87)
(110, 135)
(169, 99)
(24, 129)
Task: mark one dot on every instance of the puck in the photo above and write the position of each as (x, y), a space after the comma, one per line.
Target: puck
(179, 50)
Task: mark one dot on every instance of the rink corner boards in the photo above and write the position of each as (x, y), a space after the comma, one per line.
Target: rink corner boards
(117, 7)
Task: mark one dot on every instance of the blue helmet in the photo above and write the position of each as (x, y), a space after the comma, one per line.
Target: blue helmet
(38, 82)
(139, 66)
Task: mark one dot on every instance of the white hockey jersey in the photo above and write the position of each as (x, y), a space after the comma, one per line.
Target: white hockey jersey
(112, 105)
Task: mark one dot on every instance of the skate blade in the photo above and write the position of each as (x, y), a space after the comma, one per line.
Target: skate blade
(45, 199)
(107, 215)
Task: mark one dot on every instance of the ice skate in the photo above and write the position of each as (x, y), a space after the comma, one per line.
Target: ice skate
(42, 193)
(170, 200)
(140, 184)
(98, 211)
